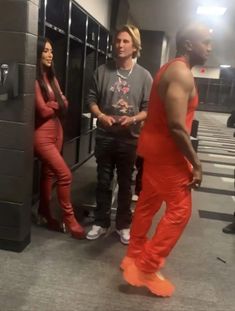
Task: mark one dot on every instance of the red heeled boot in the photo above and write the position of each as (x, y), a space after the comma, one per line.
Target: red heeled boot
(76, 230)
(45, 217)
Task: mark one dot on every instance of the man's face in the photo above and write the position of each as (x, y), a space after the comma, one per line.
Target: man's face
(124, 45)
(201, 46)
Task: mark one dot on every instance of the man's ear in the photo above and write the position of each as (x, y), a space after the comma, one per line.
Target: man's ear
(188, 45)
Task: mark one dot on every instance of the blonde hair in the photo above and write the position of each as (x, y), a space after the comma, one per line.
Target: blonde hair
(135, 35)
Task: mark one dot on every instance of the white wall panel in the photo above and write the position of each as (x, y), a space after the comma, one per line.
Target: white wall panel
(206, 72)
(99, 9)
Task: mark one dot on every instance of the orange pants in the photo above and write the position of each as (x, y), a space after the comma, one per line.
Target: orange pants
(160, 183)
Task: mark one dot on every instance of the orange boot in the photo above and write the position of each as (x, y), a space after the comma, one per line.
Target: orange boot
(126, 261)
(155, 282)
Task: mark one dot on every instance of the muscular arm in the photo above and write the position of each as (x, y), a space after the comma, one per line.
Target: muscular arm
(179, 88)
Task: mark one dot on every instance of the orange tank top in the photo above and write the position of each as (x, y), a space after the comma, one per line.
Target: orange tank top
(156, 143)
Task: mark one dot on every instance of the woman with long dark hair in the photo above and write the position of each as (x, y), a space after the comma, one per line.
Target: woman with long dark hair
(51, 105)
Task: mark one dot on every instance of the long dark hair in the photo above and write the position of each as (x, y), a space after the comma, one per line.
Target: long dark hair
(50, 72)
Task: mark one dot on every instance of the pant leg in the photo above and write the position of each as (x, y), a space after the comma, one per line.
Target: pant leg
(172, 224)
(125, 155)
(46, 181)
(104, 150)
(147, 206)
(47, 146)
(138, 179)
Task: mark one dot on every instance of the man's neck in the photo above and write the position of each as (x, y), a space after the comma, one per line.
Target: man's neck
(124, 63)
(187, 59)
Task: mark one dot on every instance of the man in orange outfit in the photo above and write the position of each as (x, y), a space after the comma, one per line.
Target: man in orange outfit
(171, 166)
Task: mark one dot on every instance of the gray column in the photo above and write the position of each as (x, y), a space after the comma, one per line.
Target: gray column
(154, 50)
(18, 40)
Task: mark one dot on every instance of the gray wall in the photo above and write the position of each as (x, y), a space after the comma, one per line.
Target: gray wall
(152, 50)
(18, 37)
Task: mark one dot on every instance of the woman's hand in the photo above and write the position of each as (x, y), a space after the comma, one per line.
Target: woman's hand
(53, 104)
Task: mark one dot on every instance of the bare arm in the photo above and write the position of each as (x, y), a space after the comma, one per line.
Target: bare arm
(178, 92)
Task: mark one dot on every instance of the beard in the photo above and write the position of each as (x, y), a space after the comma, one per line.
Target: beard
(198, 59)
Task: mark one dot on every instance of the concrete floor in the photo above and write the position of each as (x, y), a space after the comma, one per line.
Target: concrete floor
(56, 272)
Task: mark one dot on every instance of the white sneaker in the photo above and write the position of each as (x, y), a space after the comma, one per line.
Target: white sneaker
(135, 198)
(124, 235)
(96, 232)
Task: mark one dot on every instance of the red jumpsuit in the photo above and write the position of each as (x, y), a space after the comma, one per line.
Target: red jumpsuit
(48, 138)
(165, 178)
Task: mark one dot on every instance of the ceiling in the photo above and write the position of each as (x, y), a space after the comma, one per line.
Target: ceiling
(170, 15)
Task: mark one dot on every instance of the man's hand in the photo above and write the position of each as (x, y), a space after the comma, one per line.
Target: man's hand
(197, 177)
(126, 121)
(106, 121)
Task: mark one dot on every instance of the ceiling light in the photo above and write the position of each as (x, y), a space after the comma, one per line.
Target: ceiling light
(225, 66)
(211, 10)
(211, 30)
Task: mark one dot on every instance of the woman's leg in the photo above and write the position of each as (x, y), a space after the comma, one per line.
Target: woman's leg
(49, 153)
(45, 198)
